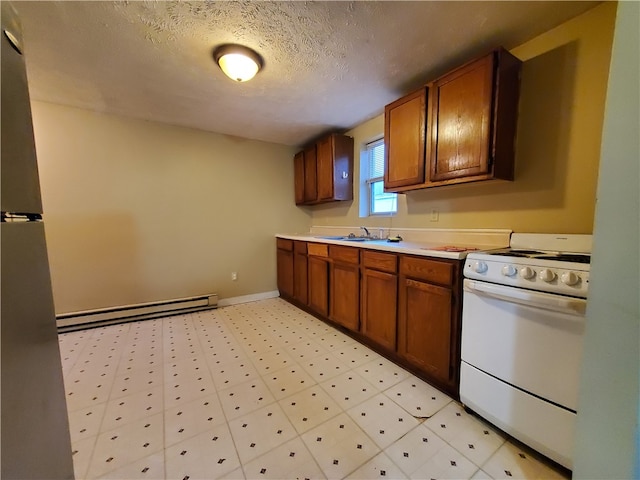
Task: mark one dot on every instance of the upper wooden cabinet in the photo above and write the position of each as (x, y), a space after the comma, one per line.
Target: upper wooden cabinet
(310, 174)
(461, 122)
(404, 135)
(324, 171)
(298, 175)
(467, 119)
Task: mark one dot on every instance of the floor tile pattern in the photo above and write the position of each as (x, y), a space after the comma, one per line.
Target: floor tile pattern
(264, 390)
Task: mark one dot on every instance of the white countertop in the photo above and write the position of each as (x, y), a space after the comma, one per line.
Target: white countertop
(421, 242)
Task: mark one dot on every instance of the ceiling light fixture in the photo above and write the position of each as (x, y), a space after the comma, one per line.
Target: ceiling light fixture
(238, 62)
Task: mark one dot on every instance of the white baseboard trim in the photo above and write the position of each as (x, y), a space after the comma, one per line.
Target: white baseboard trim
(254, 297)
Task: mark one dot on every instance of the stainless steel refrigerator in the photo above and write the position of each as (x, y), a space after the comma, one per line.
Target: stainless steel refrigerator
(34, 429)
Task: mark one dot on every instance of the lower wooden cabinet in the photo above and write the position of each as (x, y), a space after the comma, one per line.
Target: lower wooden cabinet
(429, 319)
(379, 305)
(344, 286)
(318, 284)
(379, 301)
(405, 306)
(344, 295)
(300, 273)
(285, 267)
(424, 327)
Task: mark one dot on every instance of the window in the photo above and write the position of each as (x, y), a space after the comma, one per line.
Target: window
(380, 203)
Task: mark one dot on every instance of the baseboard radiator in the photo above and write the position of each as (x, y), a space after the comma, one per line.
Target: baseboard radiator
(67, 322)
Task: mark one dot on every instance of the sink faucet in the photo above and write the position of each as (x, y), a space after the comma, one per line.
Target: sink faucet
(366, 232)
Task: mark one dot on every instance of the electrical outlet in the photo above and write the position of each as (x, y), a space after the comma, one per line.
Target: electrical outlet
(435, 215)
(234, 276)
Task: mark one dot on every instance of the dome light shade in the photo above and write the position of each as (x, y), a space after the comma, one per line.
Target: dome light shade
(239, 63)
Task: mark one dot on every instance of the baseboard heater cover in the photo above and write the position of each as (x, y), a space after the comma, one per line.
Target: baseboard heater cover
(128, 313)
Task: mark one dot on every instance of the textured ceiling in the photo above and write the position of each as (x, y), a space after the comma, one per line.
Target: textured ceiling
(328, 65)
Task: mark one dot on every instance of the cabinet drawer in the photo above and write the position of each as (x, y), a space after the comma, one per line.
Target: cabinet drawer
(300, 247)
(284, 244)
(345, 254)
(426, 269)
(385, 262)
(318, 249)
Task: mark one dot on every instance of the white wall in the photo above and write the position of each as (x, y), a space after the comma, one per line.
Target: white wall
(139, 211)
(607, 432)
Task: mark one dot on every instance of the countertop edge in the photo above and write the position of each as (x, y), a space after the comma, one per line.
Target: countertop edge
(409, 248)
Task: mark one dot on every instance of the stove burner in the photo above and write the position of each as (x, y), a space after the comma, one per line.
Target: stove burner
(558, 257)
(567, 257)
(516, 253)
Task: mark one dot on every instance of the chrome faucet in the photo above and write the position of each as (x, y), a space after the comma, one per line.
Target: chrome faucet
(366, 232)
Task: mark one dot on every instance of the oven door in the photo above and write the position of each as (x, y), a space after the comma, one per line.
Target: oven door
(531, 340)
(521, 355)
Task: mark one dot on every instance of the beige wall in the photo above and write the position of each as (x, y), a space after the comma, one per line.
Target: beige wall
(564, 81)
(138, 211)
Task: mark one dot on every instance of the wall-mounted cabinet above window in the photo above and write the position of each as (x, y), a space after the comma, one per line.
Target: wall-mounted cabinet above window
(323, 171)
(459, 128)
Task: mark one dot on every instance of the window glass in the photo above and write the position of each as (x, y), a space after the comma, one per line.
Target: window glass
(380, 203)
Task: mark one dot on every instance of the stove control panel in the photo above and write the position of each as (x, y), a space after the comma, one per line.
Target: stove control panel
(564, 278)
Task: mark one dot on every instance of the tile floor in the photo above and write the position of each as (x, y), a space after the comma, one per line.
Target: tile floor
(264, 390)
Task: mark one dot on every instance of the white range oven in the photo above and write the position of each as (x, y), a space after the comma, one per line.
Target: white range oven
(523, 322)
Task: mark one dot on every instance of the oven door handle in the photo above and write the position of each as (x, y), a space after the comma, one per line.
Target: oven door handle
(547, 301)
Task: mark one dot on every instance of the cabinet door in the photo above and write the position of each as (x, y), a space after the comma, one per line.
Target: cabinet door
(461, 121)
(300, 278)
(298, 175)
(379, 303)
(319, 285)
(405, 141)
(285, 272)
(425, 326)
(310, 175)
(345, 295)
(325, 168)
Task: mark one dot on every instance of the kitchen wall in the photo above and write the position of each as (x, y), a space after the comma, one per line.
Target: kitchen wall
(138, 211)
(608, 432)
(564, 82)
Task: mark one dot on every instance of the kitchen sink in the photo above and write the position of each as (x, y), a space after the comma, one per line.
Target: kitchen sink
(346, 239)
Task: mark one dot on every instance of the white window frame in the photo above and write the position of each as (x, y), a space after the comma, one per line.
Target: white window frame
(370, 181)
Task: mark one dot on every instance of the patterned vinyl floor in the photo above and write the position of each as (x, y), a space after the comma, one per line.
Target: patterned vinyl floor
(264, 390)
